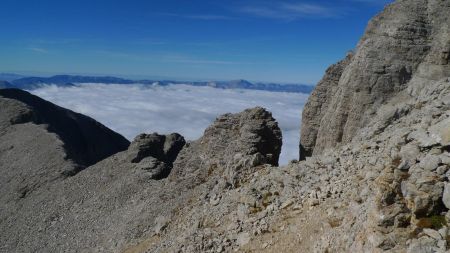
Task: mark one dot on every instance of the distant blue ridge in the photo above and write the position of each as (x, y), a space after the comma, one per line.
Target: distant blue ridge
(30, 83)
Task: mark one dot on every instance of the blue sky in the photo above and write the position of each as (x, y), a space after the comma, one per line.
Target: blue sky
(281, 41)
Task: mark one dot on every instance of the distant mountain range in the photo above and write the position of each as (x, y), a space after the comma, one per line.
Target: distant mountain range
(29, 83)
(9, 77)
(5, 84)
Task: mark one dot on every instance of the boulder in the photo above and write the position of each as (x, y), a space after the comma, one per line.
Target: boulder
(446, 195)
(161, 147)
(441, 132)
(155, 153)
(430, 162)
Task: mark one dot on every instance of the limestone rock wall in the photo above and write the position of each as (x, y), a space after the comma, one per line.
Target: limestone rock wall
(403, 46)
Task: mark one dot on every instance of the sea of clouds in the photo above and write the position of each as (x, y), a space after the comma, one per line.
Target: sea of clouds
(188, 110)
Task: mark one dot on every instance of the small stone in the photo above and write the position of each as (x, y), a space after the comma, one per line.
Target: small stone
(430, 162)
(441, 170)
(243, 239)
(409, 153)
(443, 232)
(445, 158)
(297, 207)
(432, 233)
(442, 244)
(286, 204)
(404, 165)
(446, 195)
(160, 224)
(441, 132)
(215, 200)
(423, 138)
(313, 202)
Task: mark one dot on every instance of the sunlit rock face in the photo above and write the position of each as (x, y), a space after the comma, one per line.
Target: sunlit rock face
(404, 46)
(232, 143)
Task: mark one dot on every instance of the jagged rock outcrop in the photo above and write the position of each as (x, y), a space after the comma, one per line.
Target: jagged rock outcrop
(234, 142)
(156, 153)
(404, 46)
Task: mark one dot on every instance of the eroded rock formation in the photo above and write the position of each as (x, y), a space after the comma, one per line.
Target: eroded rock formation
(234, 142)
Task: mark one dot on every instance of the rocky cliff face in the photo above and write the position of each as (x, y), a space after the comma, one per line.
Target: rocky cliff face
(404, 46)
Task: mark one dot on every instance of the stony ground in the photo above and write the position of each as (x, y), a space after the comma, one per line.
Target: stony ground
(387, 190)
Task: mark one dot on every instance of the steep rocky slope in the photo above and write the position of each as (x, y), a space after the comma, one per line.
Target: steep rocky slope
(85, 140)
(407, 43)
(41, 143)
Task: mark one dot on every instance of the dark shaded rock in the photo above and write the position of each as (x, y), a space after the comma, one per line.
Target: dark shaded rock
(154, 168)
(161, 147)
(41, 143)
(155, 153)
(86, 141)
(145, 145)
(233, 142)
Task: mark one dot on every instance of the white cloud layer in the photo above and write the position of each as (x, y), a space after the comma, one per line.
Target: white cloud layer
(188, 110)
